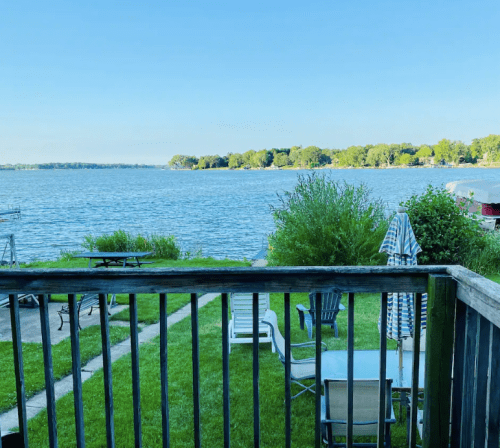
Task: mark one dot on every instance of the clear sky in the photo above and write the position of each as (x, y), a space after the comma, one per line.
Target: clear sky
(141, 81)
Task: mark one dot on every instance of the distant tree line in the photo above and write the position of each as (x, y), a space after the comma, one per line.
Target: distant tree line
(485, 149)
(71, 166)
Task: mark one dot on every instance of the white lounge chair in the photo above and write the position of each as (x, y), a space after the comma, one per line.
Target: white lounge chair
(241, 324)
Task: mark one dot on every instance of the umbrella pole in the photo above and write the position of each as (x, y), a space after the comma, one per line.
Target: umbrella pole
(402, 397)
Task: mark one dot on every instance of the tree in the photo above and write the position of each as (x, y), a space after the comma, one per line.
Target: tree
(247, 157)
(311, 156)
(487, 148)
(327, 223)
(443, 151)
(458, 151)
(181, 161)
(424, 154)
(405, 159)
(203, 162)
(353, 156)
(235, 160)
(281, 159)
(378, 155)
(295, 155)
(262, 159)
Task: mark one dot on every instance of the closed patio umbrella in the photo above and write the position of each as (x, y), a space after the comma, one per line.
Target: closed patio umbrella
(402, 247)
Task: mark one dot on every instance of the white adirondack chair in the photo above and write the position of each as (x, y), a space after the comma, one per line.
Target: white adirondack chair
(241, 324)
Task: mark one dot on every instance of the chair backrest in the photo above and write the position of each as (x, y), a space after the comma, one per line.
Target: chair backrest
(242, 312)
(330, 303)
(365, 409)
(278, 339)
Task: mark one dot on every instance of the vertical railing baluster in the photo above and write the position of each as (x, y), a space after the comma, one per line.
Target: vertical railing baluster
(458, 373)
(106, 364)
(76, 367)
(18, 367)
(350, 369)
(493, 413)
(164, 371)
(481, 381)
(382, 372)
(318, 308)
(136, 389)
(255, 337)
(195, 342)
(225, 371)
(49, 371)
(288, 369)
(415, 367)
(468, 384)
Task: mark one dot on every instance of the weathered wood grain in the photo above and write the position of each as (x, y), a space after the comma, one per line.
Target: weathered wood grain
(164, 280)
(478, 292)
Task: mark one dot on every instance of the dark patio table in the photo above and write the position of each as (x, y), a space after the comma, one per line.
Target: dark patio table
(117, 259)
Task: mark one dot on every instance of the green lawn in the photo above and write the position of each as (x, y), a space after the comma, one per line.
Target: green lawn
(180, 384)
(90, 346)
(180, 387)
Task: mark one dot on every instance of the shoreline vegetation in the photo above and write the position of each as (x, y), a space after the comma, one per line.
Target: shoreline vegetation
(483, 152)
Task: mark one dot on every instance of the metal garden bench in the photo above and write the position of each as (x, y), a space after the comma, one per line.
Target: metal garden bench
(86, 301)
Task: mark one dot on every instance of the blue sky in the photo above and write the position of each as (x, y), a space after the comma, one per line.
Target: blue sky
(138, 82)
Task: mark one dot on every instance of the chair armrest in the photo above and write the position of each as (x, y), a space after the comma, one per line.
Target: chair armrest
(301, 309)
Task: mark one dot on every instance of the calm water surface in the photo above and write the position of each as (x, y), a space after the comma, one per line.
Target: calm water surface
(225, 213)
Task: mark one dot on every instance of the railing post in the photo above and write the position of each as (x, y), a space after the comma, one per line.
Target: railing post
(441, 301)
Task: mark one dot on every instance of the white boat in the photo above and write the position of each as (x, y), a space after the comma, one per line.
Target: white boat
(485, 197)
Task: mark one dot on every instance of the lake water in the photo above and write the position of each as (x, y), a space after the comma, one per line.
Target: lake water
(225, 213)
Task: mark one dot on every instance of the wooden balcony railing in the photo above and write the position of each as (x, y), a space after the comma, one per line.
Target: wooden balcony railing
(462, 380)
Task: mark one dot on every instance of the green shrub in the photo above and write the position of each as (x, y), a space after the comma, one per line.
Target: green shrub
(165, 247)
(443, 230)
(326, 223)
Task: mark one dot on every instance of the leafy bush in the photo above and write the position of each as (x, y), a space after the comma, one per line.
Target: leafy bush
(324, 223)
(444, 231)
(165, 247)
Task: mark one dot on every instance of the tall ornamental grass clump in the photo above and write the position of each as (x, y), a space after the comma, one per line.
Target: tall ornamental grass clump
(165, 247)
(447, 235)
(485, 260)
(323, 222)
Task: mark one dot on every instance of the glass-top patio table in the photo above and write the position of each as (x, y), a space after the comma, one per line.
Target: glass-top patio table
(366, 366)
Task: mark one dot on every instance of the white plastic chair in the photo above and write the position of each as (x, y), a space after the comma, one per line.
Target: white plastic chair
(241, 324)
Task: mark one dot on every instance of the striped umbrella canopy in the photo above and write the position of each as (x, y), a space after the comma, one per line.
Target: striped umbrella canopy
(402, 247)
